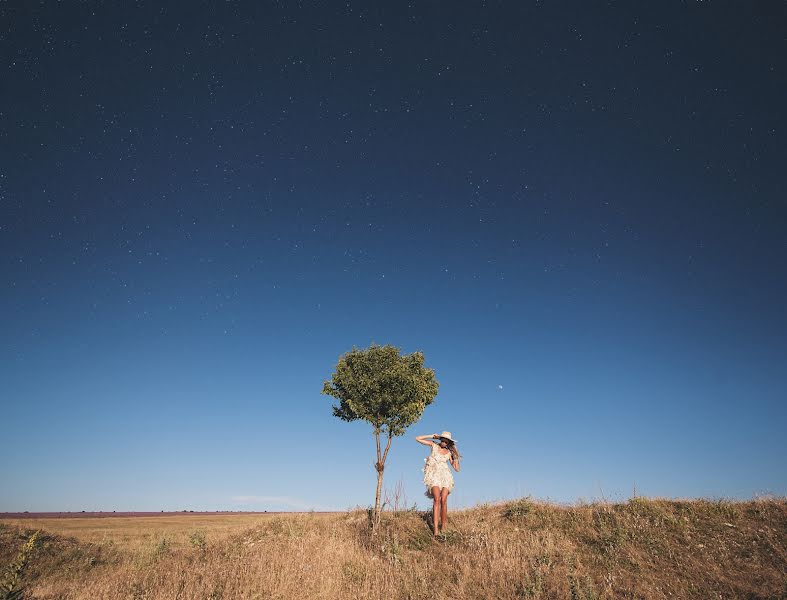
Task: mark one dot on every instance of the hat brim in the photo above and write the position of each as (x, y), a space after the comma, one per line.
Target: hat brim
(442, 437)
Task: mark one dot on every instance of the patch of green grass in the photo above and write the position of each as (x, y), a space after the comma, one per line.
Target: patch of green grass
(420, 540)
(582, 588)
(197, 539)
(518, 509)
(161, 547)
(451, 537)
(9, 585)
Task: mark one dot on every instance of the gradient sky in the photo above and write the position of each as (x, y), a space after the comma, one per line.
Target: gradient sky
(576, 212)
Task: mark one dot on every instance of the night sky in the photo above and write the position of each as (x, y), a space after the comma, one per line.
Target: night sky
(576, 211)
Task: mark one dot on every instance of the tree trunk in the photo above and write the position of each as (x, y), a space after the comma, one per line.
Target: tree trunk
(376, 514)
(380, 467)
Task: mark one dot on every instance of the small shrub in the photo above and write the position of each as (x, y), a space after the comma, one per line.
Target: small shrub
(519, 509)
(581, 589)
(726, 508)
(162, 547)
(392, 549)
(450, 537)
(420, 540)
(10, 581)
(197, 539)
(610, 533)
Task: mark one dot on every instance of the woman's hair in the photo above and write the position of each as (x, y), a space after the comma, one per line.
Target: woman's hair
(452, 447)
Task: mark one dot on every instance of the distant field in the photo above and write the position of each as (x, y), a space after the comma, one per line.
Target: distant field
(101, 515)
(644, 549)
(136, 529)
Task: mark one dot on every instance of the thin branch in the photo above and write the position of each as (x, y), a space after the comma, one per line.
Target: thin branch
(387, 446)
(377, 441)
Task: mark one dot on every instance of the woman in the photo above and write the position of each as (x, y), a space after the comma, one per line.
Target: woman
(437, 476)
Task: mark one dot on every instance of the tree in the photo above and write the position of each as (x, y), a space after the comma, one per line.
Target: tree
(389, 390)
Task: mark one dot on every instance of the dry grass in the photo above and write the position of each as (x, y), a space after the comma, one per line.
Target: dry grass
(136, 533)
(640, 549)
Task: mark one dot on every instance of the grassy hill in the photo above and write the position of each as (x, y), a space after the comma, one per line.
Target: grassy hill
(643, 549)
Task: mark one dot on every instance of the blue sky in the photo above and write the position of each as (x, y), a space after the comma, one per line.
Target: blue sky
(578, 216)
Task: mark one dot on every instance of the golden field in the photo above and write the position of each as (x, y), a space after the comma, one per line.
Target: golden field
(643, 549)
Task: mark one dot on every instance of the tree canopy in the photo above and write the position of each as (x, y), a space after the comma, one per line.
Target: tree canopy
(383, 387)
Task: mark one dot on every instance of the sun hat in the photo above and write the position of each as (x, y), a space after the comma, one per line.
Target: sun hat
(447, 436)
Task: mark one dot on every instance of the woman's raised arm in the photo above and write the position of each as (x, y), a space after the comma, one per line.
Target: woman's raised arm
(425, 439)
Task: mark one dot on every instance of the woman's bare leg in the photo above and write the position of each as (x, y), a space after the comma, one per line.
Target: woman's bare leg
(436, 508)
(444, 507)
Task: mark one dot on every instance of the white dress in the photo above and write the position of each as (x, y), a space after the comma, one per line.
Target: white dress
(437, 473)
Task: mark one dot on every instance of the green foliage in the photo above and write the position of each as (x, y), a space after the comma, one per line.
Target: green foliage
(10, 580)
(421, 539)
(161, 547)
(610, 532)
(392, 549)
(197, 539)
(451, 537)
(518, 509)
(581, 589)
(380, 385)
